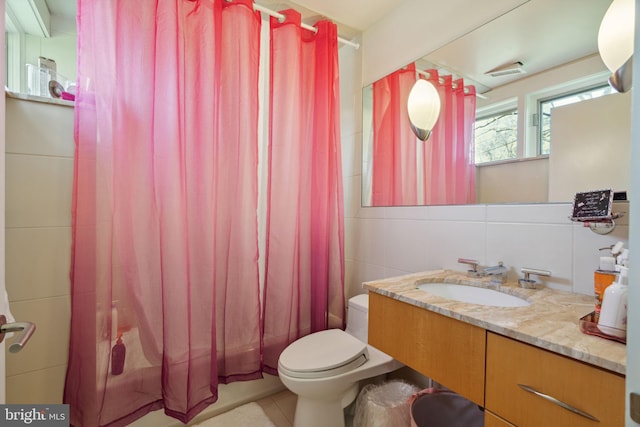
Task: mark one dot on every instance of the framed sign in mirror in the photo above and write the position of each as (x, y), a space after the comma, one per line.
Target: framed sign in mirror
(592, 205)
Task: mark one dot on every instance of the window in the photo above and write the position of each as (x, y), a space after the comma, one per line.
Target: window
(496, 137)
(545, 106)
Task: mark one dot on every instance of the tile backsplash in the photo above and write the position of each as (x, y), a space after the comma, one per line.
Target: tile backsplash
(391, 241)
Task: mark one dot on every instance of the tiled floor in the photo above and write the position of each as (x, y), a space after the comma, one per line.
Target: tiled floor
(280, 408)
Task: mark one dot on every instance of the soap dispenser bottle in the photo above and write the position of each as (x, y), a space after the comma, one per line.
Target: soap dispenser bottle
(613, 315)
(118, 353)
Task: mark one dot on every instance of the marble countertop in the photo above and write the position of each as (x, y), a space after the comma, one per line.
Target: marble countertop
(551, 321)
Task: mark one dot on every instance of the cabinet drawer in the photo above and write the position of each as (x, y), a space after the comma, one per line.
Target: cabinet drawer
(595, 391)
(444, 349)
(492, 420)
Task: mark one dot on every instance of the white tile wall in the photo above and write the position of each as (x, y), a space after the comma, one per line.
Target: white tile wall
(39, 177)
(48, 248)
(38, 192)
(48, 348)
(38, 129)
(41, 386)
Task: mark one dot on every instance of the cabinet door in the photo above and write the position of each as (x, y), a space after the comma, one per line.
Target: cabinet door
(589, 389)
(446, 350)
(492, 420)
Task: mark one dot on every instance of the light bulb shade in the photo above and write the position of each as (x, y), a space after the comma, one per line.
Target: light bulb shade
(622, 79)
(615, 37)
(423, 107)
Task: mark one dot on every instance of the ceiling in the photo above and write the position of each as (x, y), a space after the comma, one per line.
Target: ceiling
(541, 34)
(63, 8)
(354, 14)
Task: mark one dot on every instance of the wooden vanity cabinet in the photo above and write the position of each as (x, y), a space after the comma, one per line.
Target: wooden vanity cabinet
(453, 353)
(593, 390)
(492, 420)
(446, 350)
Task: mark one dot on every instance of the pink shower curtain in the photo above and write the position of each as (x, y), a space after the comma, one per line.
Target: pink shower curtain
(164, 211)
(305, 254)
(395, 179)
(449, 165)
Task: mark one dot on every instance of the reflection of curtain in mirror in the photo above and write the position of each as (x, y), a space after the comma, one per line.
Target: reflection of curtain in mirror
(449, 175)
(394, 144)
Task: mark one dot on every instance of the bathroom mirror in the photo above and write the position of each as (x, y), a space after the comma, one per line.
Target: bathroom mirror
(556, 45)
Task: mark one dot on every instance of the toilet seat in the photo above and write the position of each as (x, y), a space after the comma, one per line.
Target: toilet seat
(323, 354)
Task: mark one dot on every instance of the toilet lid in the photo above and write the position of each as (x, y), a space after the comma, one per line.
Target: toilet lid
(323, 354)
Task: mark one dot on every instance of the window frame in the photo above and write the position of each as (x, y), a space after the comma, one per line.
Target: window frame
(542, 101)
(526, 101)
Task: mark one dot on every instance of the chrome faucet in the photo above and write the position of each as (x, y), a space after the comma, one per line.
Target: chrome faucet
(528, 283)
(498, 273)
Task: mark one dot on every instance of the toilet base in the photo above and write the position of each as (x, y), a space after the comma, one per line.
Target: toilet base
(322, 413)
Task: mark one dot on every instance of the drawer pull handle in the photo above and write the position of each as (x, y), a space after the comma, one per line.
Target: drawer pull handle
(558, 402)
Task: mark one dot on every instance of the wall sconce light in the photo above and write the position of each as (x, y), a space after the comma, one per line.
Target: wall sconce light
(615, 42)
(423, 106)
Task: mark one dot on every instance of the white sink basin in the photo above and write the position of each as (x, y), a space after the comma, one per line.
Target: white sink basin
(473, 295)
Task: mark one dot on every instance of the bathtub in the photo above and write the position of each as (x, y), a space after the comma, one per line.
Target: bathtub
(229, 395)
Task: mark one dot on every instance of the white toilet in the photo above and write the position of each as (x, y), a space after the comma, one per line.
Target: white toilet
(324, 368)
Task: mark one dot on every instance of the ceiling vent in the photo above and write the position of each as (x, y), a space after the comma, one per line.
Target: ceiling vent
(506, 70)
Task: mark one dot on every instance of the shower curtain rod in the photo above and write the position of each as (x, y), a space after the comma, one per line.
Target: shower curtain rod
(281, 17)
(441, 80)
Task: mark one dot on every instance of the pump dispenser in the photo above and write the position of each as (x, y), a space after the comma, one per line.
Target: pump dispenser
(613, 315)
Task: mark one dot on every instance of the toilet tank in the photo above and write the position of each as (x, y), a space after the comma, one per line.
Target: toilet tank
(357, 317)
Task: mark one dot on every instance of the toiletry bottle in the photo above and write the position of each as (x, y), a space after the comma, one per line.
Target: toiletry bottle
(602, 279)
(118, 353)
(613, 316)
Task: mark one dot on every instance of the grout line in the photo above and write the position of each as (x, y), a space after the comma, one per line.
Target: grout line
(37, 370)
(29, 300)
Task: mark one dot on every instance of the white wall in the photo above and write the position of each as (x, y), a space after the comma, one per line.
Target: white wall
(514, 182)
(61, 48)
(591, 143)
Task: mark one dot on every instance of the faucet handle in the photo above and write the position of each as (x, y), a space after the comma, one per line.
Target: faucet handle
(472, 262)
(528, 283)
